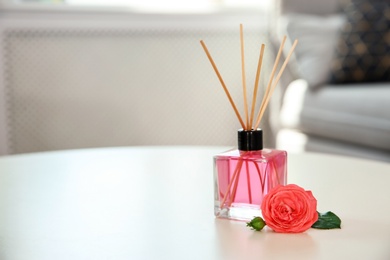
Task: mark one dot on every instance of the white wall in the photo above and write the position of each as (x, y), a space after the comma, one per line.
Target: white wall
(87, 79)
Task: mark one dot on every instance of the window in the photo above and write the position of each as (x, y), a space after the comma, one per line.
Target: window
(153, 6)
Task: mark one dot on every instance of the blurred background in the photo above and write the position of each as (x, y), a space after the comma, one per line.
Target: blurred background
(95, 73)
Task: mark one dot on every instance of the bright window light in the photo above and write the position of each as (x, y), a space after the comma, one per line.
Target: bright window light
(150, 5)
(161, 6)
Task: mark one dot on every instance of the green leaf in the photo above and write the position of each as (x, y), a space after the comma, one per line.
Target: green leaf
(327, 220)
(257, 223)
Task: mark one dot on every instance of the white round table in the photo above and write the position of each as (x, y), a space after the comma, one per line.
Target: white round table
(157, 203)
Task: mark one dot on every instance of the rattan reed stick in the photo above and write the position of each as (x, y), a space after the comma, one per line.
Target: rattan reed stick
(276, 82)
(223, 84)
(256, 87)
(244, 77)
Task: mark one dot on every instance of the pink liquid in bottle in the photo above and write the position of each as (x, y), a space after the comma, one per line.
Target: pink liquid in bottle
(243, 177)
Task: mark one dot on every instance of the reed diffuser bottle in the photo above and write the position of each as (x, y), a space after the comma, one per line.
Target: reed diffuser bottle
(244, 176)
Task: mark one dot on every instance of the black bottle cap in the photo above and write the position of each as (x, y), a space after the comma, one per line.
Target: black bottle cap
(250, 140)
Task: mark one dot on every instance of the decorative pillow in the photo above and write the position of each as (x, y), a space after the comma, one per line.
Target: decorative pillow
(318, 36)
(363, 50)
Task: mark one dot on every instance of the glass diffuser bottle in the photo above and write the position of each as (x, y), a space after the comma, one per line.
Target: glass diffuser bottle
(243, 176)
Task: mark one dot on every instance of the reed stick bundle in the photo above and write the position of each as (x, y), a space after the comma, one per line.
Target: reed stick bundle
(249, 123)
(273, 81)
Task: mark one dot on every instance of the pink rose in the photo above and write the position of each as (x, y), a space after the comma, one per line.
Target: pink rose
(289, 209)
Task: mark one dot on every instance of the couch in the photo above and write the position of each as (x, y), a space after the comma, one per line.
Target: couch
(334, 96)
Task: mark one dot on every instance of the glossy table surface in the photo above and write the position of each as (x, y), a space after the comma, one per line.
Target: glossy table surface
(157, 203)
